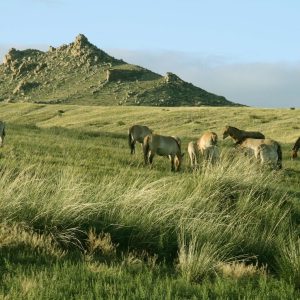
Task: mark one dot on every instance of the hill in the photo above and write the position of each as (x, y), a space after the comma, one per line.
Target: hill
(80, 73)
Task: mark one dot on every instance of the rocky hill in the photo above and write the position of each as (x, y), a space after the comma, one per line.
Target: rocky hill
(80, 73)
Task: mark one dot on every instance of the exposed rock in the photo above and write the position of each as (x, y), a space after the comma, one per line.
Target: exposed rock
(25, 86)
(51, 49)
(11, 56)
(26, 67)
(40, 67)
(120, 75)
(172, 78)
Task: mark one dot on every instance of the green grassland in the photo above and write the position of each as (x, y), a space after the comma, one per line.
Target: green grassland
(81, 218)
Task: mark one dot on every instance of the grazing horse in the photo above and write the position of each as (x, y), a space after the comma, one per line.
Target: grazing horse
(267, 150)
(193, 152)
(296, 148)
(207, 145)
(239, 135)
(137, 133)
(2, 133)
(163, 146)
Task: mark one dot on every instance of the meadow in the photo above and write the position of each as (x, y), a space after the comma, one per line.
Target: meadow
(81, 218)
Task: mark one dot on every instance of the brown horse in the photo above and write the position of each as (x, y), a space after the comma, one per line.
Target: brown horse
(137, 133)
(239, 135)
(296, 148)
(2, 133)
(207, 145)
(267, 150)
(163, 146)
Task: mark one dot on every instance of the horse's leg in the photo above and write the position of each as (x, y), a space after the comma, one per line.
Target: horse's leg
(202, 153)
(151, 155)
(132, 147)
(172, 158)
(195, 159)
(192, 159)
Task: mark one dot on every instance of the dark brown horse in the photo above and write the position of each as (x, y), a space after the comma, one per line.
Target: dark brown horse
(2, 133)
(240, 135)
(137, 133)
(296, 148)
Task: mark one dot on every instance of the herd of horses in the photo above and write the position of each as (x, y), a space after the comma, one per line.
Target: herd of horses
(268, 151)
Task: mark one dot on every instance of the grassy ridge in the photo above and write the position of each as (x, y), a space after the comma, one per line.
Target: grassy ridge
(65, 173)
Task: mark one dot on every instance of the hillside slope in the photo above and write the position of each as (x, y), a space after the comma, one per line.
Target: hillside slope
(80, 73)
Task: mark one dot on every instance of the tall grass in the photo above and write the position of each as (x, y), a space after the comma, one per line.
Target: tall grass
(76, 207)
(227, 211)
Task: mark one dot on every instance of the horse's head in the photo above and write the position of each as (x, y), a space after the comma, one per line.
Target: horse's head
(178, 161)
(226, 132)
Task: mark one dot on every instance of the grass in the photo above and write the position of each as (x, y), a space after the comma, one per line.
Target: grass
(82, 218)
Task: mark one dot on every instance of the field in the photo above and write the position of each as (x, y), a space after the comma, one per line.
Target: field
(83, 219)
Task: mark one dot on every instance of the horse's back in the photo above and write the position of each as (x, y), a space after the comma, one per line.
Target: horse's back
(254, 135)
(253, 142)
(163, 145)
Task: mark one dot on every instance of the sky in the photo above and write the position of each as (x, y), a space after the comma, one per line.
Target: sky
(245, 50)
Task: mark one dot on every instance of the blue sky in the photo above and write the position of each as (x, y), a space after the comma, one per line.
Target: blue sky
(248, 51)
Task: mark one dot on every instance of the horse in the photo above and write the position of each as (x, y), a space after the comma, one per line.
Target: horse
(267, 150)
(193, 152)
(163, 146)
(2, 133)
(296, 148)
(137, 133)
(268, 155)
(207, 145)
(239, 135)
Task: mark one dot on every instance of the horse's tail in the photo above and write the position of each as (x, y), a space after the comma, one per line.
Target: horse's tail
(146, 148)
(279, 159)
